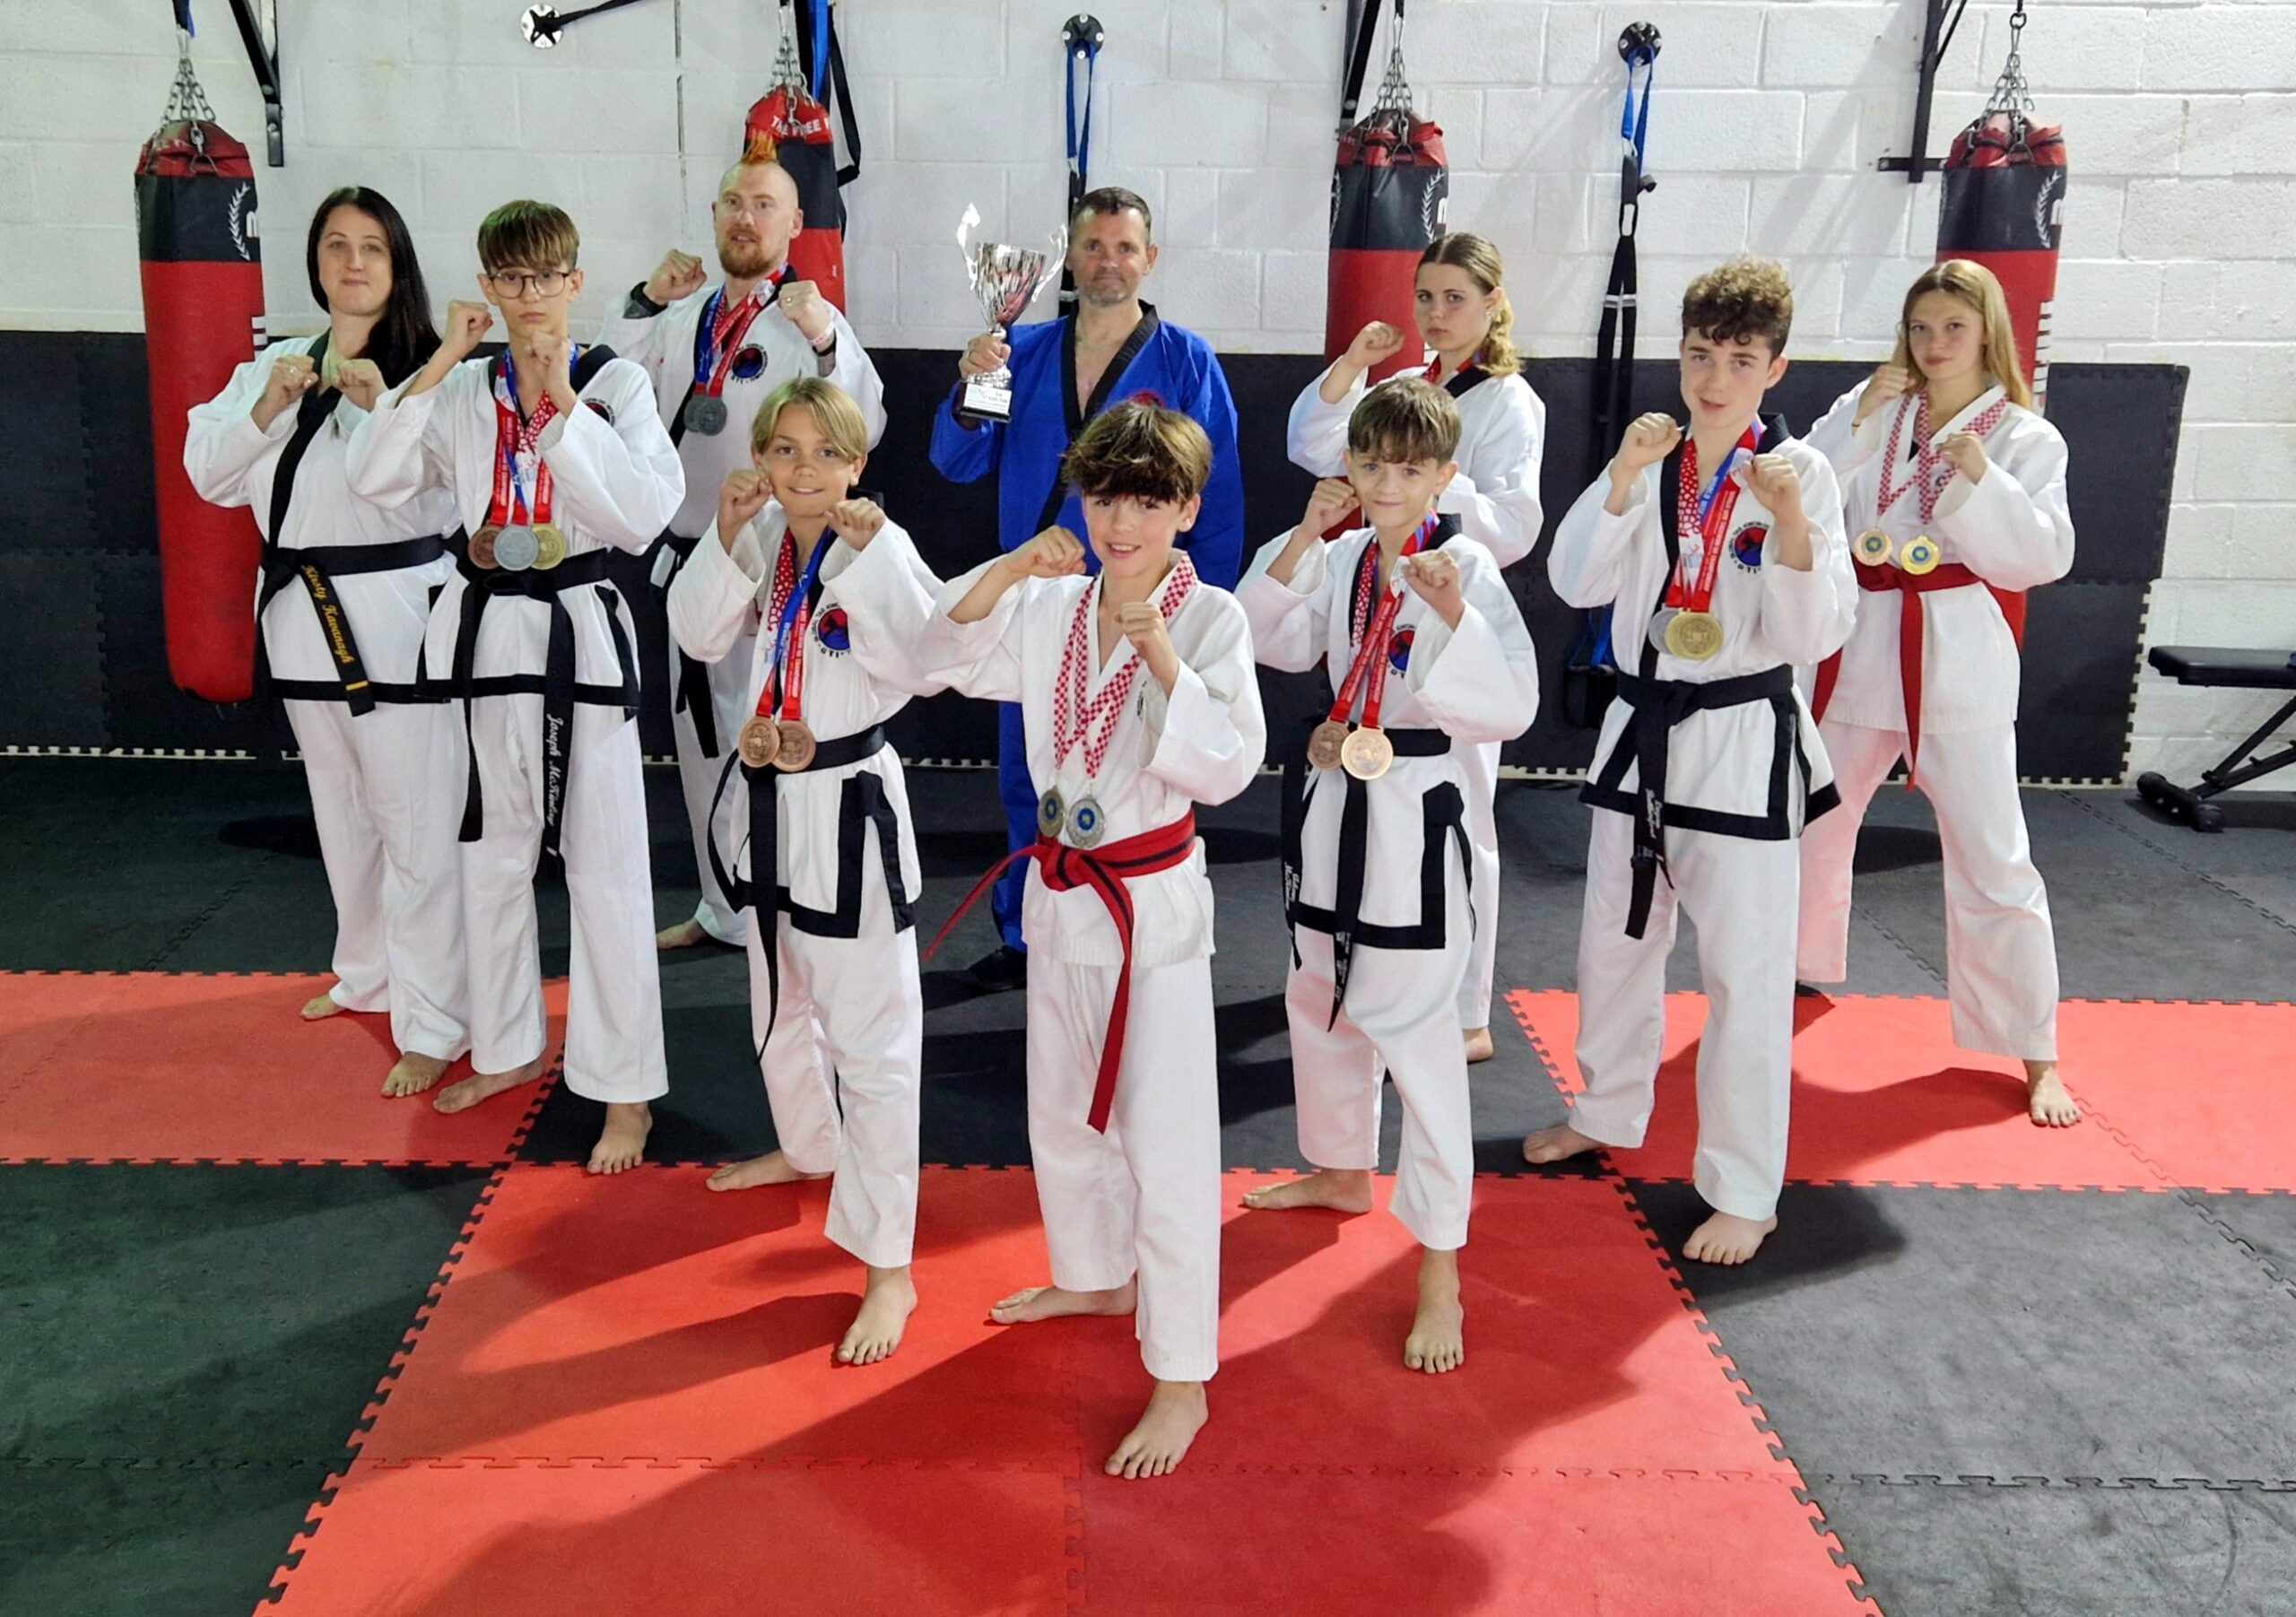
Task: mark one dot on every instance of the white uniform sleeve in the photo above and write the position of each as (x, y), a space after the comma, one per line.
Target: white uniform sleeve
(1289, 622)
(856, 372)
(406, 444)
(643, 338)
(1479, 681)
(1315, 436)
(1208, 737)
(1588, 561)
(1836, 436)
(711, 600)
(979, 659)
(1807, 616)
(221, 444)
(888, 594)
(2014, 529)
(1499, 507)
(621, 480)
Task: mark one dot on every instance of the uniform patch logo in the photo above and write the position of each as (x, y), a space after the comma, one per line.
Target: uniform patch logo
(834, 630)
(604, 410)
(1746, 545)
(749, 362)
(1399, 648)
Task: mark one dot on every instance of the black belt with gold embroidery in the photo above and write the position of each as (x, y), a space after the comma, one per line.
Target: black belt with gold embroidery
(317, 569)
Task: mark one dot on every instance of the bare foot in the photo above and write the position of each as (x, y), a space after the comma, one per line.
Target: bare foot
(1478, 1046)
(623, 1140)
(1554, 1144)
(321, 1008)
(1051, 1302)
(886, 1303)
(485, 1086)
(415, 1073)
(1341, 1190)
(771, 1168)
(1175, 1413)
(685, 935)
(1727, 1238)
(2047, 1099)
(1437, 1339)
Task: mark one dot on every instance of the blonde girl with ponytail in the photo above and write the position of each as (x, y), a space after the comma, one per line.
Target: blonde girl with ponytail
(1466, 333)
(1955, 491)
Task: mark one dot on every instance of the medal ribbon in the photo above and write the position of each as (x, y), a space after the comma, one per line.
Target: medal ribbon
(717, 334)
(1929, 485)
(514, 437)
(1712, 522)
(792, 612)
(1074, 718)
(1371, 649)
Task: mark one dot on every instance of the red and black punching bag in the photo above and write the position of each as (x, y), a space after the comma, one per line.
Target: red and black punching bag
(2002, 207)
(1390, 190)
(203, 317)
(791, 124)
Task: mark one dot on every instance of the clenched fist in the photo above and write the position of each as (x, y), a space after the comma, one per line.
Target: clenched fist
(1055, 553)
(361, 381)
(466, 327)
(1331, 500)
(678, 275)
(1376, 341)
(743, 497)
(1772, 480)
(1649, 439)
(1142, 624)
(1966, 450)
(1887, 385)
(986, 353)
(807, 309)
(855, 521)
(1434, 578)
(292, 375)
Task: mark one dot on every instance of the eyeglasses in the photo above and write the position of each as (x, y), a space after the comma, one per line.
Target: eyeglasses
(513, 284)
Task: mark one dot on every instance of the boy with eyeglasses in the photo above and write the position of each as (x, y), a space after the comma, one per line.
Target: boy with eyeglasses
(556, 454)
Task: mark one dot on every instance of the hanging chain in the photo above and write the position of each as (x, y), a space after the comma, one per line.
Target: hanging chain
(187, 102)
(788, 71)
(1394, 90)
(2011, 93)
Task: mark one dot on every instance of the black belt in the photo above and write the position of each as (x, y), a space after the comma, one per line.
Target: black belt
(692, 692)
(1659, 705)
(1445, 811)
(557, 685)
(318, 568)
(862, 804)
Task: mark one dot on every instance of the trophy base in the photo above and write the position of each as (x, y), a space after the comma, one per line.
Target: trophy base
(985, 400)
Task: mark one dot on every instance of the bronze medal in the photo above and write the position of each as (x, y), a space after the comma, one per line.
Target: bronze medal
(797, 746)
(481, 548)
(1052, 813)
(1367, 754)
(759, 742)
(1694, 636)
(1324, 743)
(1873, 547)
(550, 545)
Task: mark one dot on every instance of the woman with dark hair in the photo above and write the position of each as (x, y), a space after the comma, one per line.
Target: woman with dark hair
(343, 598)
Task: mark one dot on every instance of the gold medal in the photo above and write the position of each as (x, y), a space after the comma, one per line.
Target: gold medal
(482, 547)
(550, 545)
(1919, 556)
(1324, 743)
(1694, 636)
(1052, 813)
(1366, 754)
(759, 742)
(1873, 547)
(797, 746)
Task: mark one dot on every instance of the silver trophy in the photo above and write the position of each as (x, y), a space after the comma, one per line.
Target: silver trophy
(1006, 279)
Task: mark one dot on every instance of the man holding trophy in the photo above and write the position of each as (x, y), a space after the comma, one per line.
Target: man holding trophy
(1021, 397)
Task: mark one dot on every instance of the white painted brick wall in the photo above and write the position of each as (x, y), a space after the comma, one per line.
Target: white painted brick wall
(2180, 233)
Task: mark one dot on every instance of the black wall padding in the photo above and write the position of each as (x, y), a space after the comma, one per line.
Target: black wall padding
(85, 665)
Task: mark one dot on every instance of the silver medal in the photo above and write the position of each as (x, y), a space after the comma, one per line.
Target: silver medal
(705, 415)
(516, 548)
(1086, 823)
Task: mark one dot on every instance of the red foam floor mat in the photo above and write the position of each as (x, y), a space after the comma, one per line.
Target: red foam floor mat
(2207, 1091)
(155, 1066)
(644, 1317)
(629, 1383)
(1883, 1096)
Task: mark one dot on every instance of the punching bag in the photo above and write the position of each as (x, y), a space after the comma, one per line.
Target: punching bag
(1390, 190)
(790, 124)
(203, 317)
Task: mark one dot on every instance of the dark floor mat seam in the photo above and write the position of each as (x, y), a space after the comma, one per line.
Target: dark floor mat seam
(2193, 871)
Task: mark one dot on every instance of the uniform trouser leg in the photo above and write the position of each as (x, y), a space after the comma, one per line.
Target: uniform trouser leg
(613, 988)
(507, 1029)
(1739, 895)
(411, 757)
(1400, 1014)
(1621, 990)
(698, 777)
(843, 1072)
(2000, 946)
(1143, 1198)
(1478, 770)
(1861, 759)
(351, 849)
(1018, 793)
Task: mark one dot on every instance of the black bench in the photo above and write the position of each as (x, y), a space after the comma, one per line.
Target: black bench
(2220, 666)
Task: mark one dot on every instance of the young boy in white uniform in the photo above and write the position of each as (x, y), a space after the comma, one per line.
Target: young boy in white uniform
(1377, 879)
(824, 856)
(553, 459)
(715, 352)
(1721, 552)
(1138, 701)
